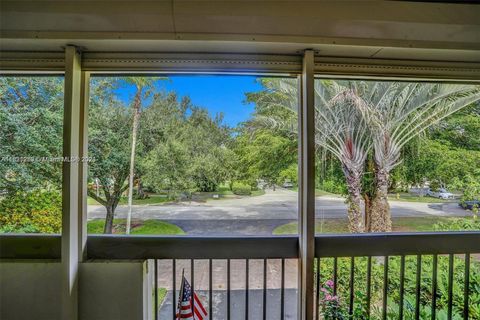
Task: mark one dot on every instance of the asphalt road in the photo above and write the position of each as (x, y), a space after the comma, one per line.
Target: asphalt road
(259, 215)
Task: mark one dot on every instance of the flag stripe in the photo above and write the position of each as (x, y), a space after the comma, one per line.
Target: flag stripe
(199, 303)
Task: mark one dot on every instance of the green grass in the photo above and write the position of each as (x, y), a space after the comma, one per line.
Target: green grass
(413, 198)
(138, 227)
(152, 199)
(228, 194)
(319, 192)
(155, 199)
(161, 294)
(404, 224)
(157, 227)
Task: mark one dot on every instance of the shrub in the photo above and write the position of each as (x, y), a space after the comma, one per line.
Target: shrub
(333, 186)
(343, 285)
(460, 224)
(36, 211)
(242, 189)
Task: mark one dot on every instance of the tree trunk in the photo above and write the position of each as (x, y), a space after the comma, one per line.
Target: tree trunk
(108, 228)
(381, 220)
(368, 210)
(136, 118)
(354, 201)
(140, 192)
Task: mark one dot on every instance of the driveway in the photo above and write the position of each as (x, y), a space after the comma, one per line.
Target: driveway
(260, 215)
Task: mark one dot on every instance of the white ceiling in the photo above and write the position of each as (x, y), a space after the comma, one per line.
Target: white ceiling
(363, 29)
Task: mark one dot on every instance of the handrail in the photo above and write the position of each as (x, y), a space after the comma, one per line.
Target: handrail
(44, 246)
(30, 246)
(174, 247)
(390, 244)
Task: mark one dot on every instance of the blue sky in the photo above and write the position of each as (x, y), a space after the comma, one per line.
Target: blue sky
(224, 94)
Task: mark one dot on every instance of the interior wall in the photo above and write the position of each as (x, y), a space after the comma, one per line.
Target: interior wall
(108, 290)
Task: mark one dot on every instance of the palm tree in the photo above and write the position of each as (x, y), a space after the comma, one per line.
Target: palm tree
(340, 128)
(351, 117)
(143, 87)
(398, 112)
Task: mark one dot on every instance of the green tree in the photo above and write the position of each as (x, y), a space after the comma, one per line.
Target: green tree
(109, 129)
(31, 125)
(183, 147)
(340, 126)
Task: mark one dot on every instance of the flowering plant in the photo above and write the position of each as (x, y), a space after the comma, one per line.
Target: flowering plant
(330, 303)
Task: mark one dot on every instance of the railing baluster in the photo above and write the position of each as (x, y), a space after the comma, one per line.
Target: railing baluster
(210, 289)
(317, 303)
(369, 284)
(466, 288)
(228, 290)
(385, 288)
(155, 287)
(450, 285)
(264, 289)
(352, 283)
(434, 286)
(192, 282)
(335, 266)
(282, 292)
(174, 286)
(247, 289)
(418, 286)
(402, 286)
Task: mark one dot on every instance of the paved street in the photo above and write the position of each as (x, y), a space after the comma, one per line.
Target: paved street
(237, 285)
(259, 215)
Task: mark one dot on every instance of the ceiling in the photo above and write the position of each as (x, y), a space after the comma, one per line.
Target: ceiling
(361, 29)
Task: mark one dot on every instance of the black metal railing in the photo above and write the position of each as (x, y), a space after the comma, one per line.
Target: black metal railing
(350, 262)
(373, 276)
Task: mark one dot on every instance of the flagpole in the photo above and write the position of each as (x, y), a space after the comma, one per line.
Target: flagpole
(179, 307)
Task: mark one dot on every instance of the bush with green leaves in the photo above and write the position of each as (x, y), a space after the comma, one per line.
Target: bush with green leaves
(393, 286)
(36, 211)
(334, 186)
(459, 224)
(241, 189)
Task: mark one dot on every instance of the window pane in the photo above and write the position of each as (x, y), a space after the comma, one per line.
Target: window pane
(31, 126)
(396, 156)
(213, 155)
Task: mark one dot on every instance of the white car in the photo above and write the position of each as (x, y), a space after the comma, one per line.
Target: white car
(441, 194)
(288, 185)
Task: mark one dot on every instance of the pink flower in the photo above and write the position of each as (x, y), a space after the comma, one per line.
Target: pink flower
(329, 283)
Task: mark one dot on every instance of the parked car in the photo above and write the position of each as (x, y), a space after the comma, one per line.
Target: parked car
(468, 205)
(442, 193)
(287, 185)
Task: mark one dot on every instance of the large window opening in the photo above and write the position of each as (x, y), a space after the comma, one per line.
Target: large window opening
(210, 155)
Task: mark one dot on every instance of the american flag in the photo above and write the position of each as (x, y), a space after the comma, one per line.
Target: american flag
(185, 310)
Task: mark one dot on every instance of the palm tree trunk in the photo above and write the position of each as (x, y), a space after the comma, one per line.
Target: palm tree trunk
(367, 206)
(136, 118)
(354, 200)
(381, 220)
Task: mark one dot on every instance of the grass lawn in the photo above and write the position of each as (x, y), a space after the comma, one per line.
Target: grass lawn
(406, 224)
(138, 227)
(319, 192)
(161, 295)
(225, 194)
(152, 199)
(407, 197)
